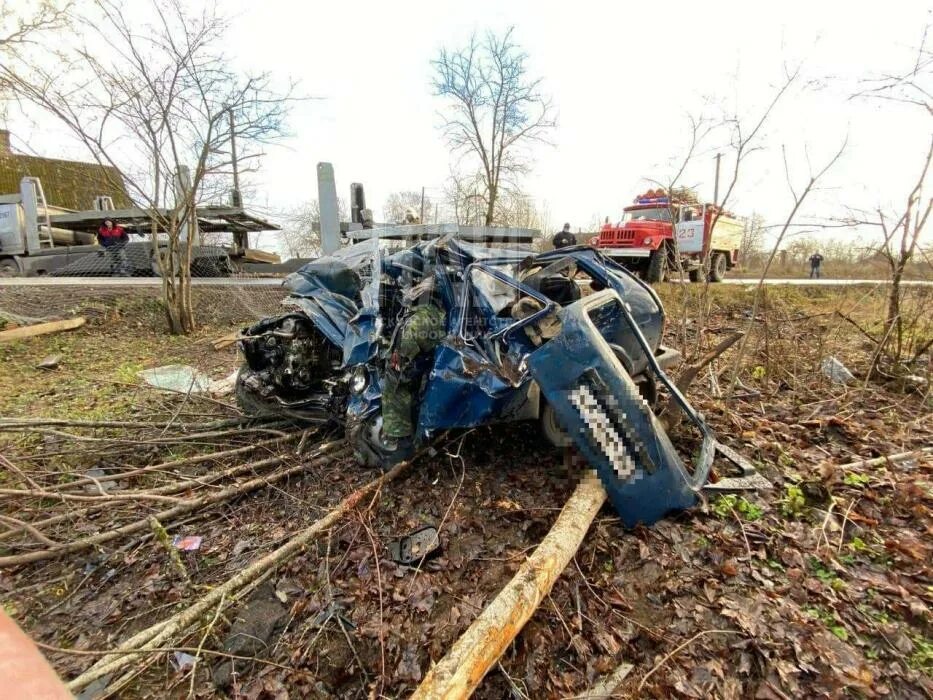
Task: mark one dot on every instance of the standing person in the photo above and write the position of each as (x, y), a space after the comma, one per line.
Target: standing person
(113, 239)
(816, 264)
(563, 238)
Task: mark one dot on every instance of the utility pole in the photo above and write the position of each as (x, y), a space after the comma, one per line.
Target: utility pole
(716, 186)
(240, 239)
(237, 198)
(421, 216)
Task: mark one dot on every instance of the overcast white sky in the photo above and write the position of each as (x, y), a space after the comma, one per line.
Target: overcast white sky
(623, 79)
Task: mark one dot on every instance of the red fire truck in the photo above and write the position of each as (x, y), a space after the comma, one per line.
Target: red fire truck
(644, 240)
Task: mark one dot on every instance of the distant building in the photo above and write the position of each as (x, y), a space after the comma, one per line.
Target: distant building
(69, 184)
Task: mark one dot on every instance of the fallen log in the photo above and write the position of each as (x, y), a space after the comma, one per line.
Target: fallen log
(152, 638)
(41, 329)
(170, 513)
(460, 671)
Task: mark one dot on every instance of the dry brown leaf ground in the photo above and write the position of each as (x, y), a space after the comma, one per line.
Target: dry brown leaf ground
(820, 586)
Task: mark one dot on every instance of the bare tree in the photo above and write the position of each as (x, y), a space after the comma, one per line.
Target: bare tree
(19, 27)
(753, 235)
(494, 109)
(465, 198)
(798, 199)
(301, 231)
(155, 102)
(466, 202)
(743, 136)
(901, 232)
(398, 204)
(899, 245)
(910, 87)
(516, 208)
(898, 248)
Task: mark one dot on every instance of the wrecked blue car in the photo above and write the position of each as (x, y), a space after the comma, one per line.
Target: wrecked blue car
(566, 338)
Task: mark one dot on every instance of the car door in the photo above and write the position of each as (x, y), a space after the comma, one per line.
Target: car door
(599, 405)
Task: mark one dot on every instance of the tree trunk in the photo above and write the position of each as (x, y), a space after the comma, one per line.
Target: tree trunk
(170, 298)
(491, 205)
(891, 339)
(894, 310)
(175, 266)
(459, 673)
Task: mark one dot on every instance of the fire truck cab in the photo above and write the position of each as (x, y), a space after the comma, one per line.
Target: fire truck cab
(643, 241)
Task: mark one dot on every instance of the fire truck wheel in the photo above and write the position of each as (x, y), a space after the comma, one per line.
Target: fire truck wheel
(717, 268)
(657, 265)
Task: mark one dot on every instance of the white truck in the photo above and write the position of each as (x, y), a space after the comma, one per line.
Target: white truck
(38, 239)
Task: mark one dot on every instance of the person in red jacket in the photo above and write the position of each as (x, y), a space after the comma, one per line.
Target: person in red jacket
(113, 239)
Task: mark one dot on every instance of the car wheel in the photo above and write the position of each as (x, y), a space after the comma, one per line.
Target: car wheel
(551, 429)
(371, 448)
(247, 400)
(717, 268)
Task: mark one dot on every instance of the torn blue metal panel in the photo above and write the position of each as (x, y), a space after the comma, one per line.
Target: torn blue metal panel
(464, 390)
(600, 407)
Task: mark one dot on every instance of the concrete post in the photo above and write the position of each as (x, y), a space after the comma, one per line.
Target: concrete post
(30, 201)
(327, 205)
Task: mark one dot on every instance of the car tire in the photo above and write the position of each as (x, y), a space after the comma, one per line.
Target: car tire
(658, 265)
(551, 429)
(718, 267)
(369, 448)
(248, 402)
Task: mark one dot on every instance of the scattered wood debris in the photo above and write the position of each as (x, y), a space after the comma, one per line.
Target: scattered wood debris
(8, 336)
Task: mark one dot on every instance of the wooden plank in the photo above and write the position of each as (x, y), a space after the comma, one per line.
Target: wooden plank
(255, 255)
(41, 329)
(225, 340)
(460, 671)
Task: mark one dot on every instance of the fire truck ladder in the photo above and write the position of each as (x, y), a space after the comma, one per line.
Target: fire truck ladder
(43, 222)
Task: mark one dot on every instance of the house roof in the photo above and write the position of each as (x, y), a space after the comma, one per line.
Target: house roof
(69, 184)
